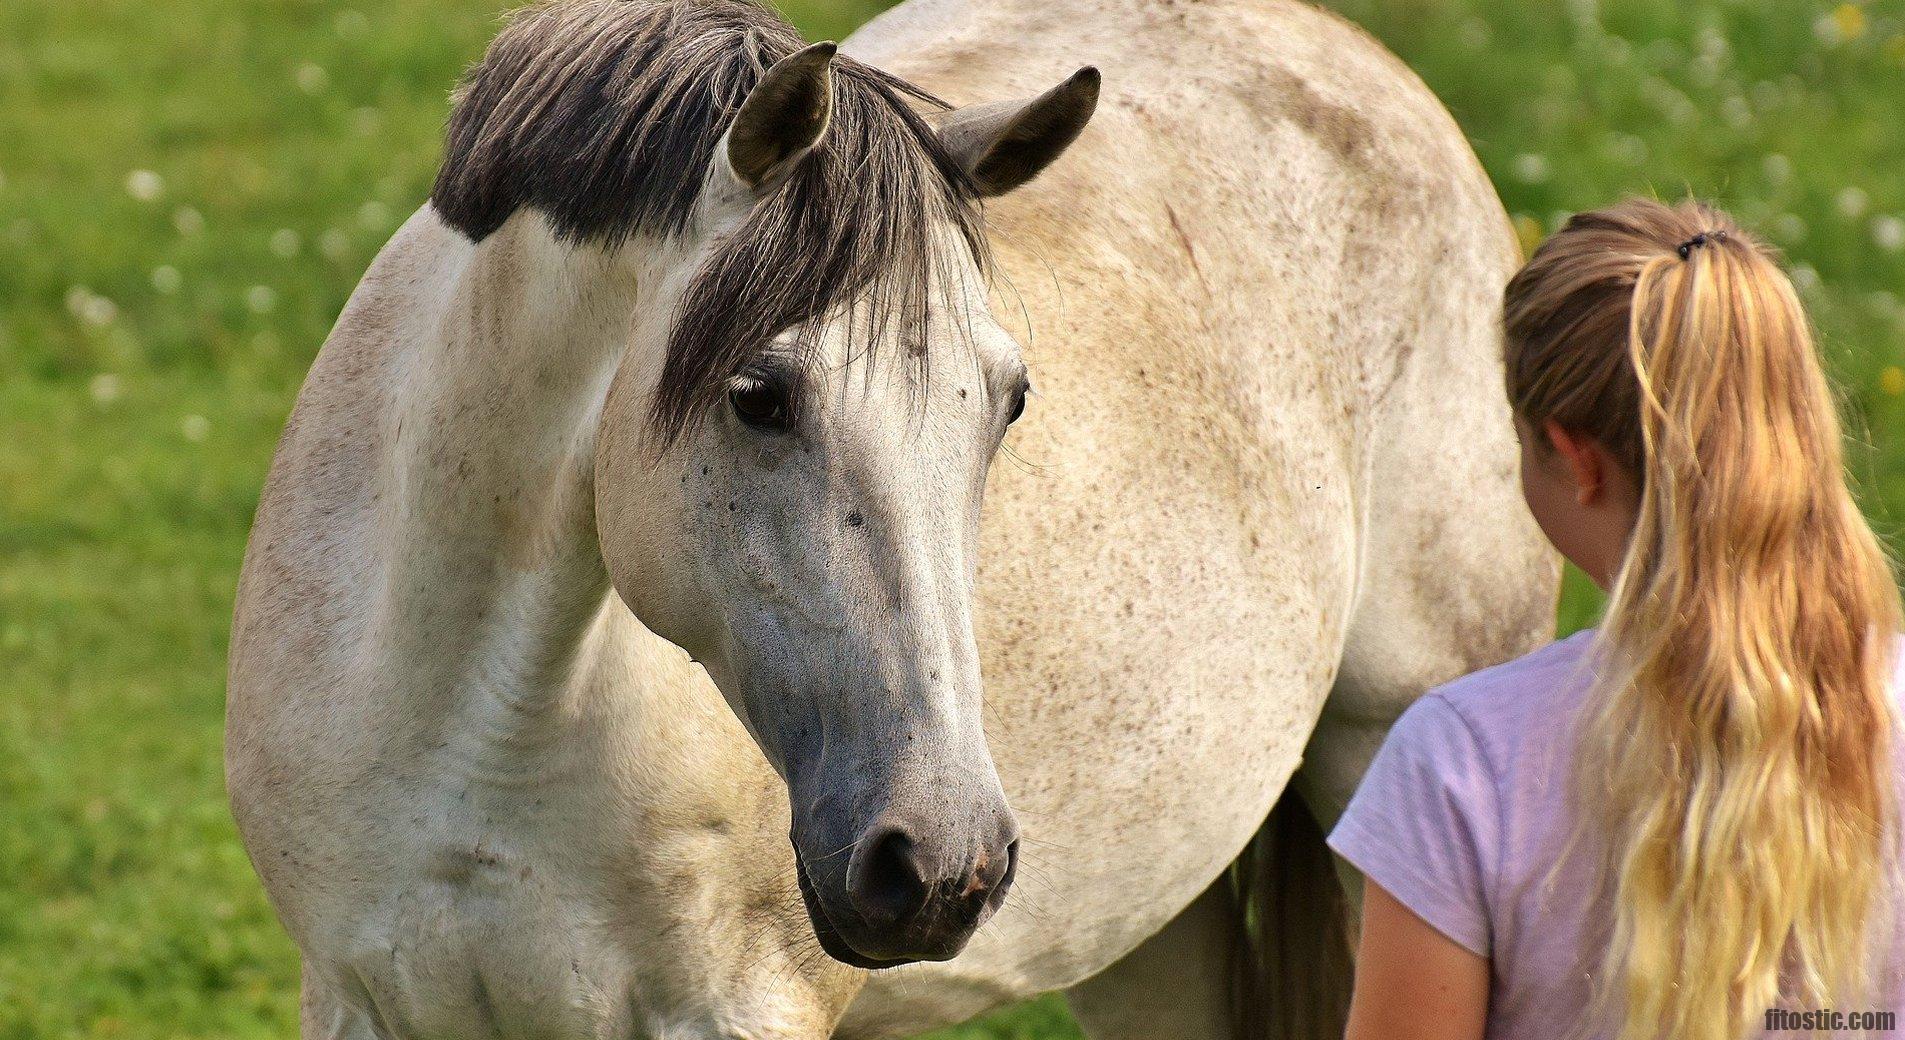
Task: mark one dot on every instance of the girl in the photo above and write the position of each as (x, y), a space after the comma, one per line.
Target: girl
(1682, 825)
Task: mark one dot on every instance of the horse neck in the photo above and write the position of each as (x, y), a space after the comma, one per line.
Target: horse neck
(494, 574)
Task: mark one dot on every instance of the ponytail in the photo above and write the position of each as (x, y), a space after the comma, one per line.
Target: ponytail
(1735, 765)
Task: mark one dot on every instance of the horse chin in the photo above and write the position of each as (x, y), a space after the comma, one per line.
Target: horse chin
(830, 939)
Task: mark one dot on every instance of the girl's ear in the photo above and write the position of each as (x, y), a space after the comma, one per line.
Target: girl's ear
(1586, 460)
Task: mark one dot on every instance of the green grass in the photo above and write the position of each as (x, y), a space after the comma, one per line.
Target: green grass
(189, 190)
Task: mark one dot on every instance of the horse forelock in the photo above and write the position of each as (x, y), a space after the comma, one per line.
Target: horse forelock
(604, 115)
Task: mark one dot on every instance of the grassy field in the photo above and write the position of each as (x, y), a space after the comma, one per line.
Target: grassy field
(189, 190)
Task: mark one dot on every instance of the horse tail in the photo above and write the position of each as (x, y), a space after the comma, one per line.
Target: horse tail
(1291, 966)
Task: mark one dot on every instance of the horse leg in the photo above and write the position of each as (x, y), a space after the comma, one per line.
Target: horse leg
(322, 1015)
(1175, 985)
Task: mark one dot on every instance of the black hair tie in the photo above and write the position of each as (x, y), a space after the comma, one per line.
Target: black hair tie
(1685, 249)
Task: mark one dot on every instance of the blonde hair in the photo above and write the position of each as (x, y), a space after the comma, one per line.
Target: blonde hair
(1734, 768)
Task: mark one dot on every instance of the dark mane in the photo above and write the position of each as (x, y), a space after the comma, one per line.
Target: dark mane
(604, 115)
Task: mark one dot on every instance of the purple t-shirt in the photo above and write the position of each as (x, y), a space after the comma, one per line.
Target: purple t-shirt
(1463, 816)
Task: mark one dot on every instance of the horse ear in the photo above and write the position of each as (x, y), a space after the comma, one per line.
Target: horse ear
(783, 118)
(1003, 144)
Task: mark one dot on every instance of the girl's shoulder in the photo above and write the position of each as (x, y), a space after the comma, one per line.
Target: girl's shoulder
(1521, 711)
(1454, 779)
(1509, 712)
(1544, 666)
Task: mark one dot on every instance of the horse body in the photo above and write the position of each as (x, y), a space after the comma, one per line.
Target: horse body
(1269, 466)
(1263, 497)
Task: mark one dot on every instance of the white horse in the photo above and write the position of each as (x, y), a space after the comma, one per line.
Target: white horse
(630, 521)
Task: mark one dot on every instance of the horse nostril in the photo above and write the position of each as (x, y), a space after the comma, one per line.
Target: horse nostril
(991, 881)
(886, 882)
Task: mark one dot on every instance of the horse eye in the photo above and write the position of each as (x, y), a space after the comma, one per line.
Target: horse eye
(1018, 406)
(760, 404)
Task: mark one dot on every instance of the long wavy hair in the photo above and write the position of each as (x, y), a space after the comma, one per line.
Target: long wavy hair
(1734, 767)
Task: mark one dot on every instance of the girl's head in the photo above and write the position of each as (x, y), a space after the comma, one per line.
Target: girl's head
(1680, 444)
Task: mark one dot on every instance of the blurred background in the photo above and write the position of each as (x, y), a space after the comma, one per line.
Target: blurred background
(189, 189)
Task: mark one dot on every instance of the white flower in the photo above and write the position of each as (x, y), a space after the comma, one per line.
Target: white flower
(1531, 168)
(285, 243)
(90, 307)
(366, 121)
(1672, 103)
(312, 79)
(105, 388)
(373, 215)
(261, 299)
(1805, 278)
(1852, 201)
(1713, 44)
(1778, 168)
(188, 220)
(1888, 232)
(351, 23)
(167, 279)
(195, 428)
(1790, 228)
(144, 185)
(1628, 149)
(334, 244)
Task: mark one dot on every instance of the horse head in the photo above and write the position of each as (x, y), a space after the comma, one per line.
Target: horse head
(793, 450)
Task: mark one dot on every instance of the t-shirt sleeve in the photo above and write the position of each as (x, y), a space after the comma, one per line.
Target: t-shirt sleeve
(1425, 823)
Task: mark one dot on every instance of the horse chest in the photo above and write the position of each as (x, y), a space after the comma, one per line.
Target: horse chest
(492, 913)
(474, 941)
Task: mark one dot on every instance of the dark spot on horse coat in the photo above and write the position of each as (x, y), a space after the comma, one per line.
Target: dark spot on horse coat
(486, 1007)
(1344, 131)
(1184, 240)
(854, 519)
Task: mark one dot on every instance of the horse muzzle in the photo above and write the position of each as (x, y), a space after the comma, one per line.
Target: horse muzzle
(910, 891)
